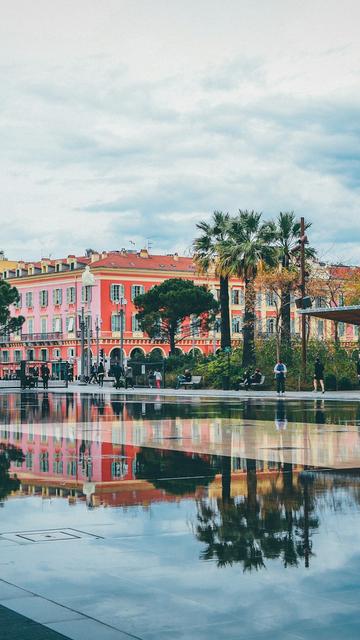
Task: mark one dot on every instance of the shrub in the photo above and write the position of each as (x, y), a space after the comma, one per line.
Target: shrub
(330, 382)
(344, 384)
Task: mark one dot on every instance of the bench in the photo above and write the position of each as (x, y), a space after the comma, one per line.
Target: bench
(195, 381)
(254, 384)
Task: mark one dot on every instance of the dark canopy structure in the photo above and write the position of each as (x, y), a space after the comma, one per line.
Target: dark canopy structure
(350, 315)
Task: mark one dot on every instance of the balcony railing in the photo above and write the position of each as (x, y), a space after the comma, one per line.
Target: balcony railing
(54, 336)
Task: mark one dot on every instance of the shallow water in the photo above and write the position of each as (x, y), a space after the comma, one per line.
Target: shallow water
(184, 519)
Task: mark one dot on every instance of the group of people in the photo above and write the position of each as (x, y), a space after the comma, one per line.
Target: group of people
(280, 371)
(123, 375)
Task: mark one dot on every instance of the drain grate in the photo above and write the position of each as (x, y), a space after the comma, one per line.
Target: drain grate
(47, 535)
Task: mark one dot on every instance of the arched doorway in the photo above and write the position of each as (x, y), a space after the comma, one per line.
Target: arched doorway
(196, 353)
(137, 354)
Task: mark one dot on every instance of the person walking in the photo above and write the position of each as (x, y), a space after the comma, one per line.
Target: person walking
(129, 377)
(280, 371)
(45, 374)
(117, 372)
(94, 374)
(101, 374)
(158, 379)
(36, 377)
(151, 379)
(319, 375)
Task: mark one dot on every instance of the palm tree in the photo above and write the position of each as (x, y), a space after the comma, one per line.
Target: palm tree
(248, 248)
(207, 252)
(287, 232)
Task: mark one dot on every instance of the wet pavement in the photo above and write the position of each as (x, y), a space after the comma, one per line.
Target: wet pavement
(154, 518)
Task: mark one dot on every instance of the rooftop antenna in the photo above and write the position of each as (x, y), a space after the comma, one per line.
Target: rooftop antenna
(149, 244)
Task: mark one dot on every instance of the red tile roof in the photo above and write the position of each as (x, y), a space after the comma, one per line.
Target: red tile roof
(152, 262)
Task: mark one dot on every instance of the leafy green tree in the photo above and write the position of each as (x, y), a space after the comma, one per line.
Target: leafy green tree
(8, 454)
(8, 295)
(250, 246)
(163, 309)
(207, 253)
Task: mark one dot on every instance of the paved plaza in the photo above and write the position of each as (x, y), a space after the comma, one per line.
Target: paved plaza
(219, 518)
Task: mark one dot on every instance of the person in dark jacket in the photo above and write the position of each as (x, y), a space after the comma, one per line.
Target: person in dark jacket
(319, 375)
(358, 369)
(118, 373)
(101, 374)
(45, 374)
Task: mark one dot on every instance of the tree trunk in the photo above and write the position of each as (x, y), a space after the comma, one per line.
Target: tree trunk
(225, 312)
(285, 317)
(251, 482)
(226, 479)
(172, 331)
(248, 358)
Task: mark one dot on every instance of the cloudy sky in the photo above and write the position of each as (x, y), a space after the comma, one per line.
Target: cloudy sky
(126, 121)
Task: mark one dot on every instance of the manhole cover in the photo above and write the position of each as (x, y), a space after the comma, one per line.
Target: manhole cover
(47, 535)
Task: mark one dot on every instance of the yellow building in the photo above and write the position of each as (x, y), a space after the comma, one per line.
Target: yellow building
(6, 264)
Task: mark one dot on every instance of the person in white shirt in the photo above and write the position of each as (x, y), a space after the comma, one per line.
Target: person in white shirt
(280, 376)
(158, 379)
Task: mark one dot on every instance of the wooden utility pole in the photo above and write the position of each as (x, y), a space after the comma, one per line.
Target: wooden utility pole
(303, 240)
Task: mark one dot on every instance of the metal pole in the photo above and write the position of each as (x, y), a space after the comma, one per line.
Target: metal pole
(89, 339)
(214, 338)
(121, 336)
(303, 287)
(82, 342)
(97, 342)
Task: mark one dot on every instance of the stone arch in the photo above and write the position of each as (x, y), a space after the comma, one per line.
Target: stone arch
(136, 353)
(157, 353)
(196, 352)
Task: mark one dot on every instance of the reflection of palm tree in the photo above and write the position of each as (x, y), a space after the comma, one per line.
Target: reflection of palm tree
(249, 530)
(8, 454)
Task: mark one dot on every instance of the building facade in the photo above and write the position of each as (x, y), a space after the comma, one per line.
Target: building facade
(52, 299)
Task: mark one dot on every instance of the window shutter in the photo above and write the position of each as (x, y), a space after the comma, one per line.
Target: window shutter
(70, 327)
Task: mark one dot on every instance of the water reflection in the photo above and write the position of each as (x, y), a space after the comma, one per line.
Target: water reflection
(9, 455)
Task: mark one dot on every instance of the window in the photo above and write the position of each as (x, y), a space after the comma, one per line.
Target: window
(17, 355)
(29, 299)
(44, 268)
(70, 295)
(270, 299)
(30, 325)
(57, 325)
(236, 324)
(319, 301)
(116, 292)
(29, 460)
(5, 356)
(237, 296)
(30, 271)
(57, 296)
(72, 266)
(137, 290)
(43, 325)
(71, 352)
(58, 267)
(44, 461)
(30, 353)
(341, 299)
(194, 325)
(135, 323)
(86, 294)
(270, 326)
(44, 355)
(70, 324)
(56, 353)
(320, 328)
(258, 299)
(292, 325)
(115, 322)
(43, 298)
(18, 304)
(18, 273)
(341, 329)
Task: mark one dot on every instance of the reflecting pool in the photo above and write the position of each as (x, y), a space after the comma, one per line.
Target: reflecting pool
(178, 518)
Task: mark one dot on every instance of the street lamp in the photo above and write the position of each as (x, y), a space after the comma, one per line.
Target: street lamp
(97, 329)
(88, 281)
(121, 308)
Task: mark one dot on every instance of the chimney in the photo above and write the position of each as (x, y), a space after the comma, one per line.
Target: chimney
(144, 253)
(176, 256)
(95, 256)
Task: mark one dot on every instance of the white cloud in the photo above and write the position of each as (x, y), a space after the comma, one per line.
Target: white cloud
(133, 120)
